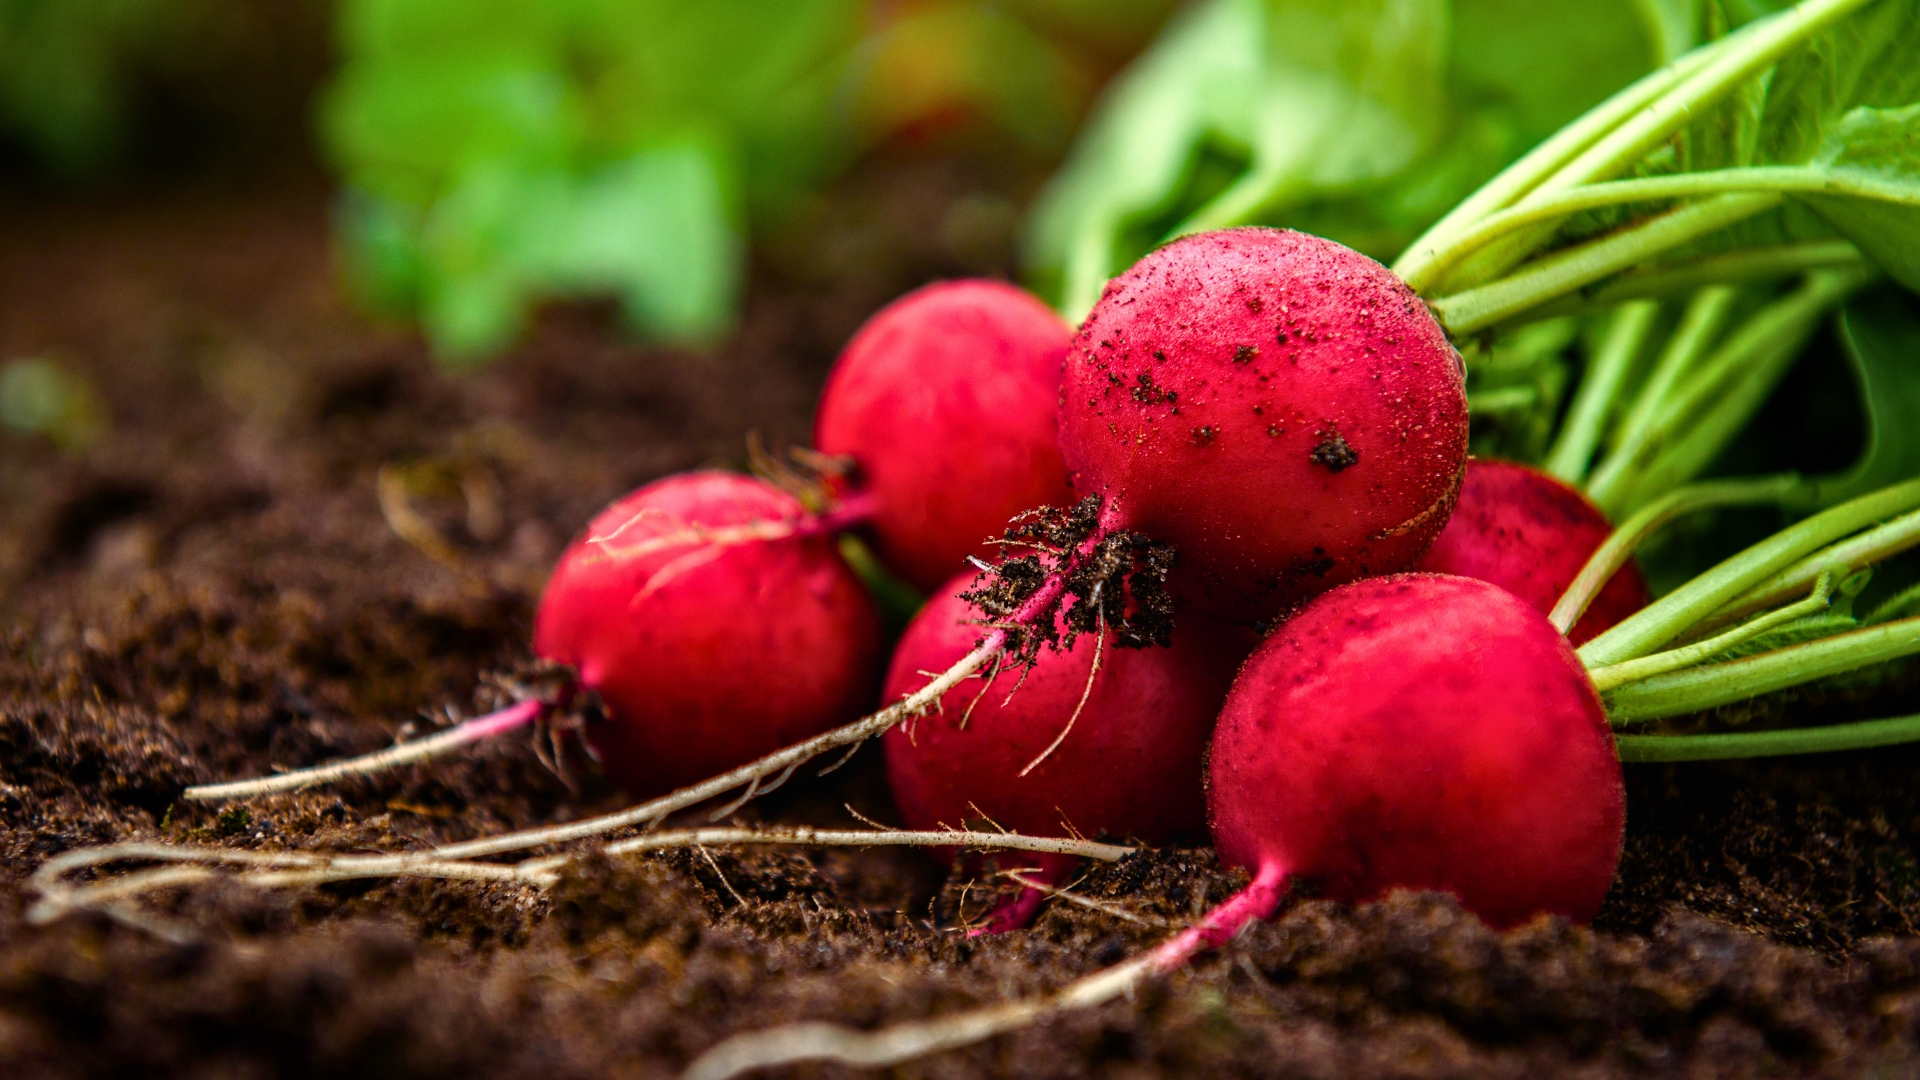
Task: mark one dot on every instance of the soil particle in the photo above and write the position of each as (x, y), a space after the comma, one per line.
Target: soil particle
(212, 590)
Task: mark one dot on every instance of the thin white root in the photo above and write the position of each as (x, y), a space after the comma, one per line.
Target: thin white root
(472, 731)
(904, 1042)
(187, 864)
(899, 1043)
(1071, 897)
(857, 732)
(1099, 643)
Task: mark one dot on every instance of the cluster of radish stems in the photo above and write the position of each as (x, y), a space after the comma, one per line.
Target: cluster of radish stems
(1647, 419)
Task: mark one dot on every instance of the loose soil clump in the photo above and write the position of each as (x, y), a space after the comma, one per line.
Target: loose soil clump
(215, 589)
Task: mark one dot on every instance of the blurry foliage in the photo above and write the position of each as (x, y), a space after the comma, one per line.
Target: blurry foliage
(501, 152)
(61, 64)
(40, 398)
(1359, 120)
(85, 83)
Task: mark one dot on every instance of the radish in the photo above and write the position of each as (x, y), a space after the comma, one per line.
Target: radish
(1090, 739)
(1423, 731)
(1280, 409)
(713, 622)
(945, 401)
(713, 616)
(1530, 534)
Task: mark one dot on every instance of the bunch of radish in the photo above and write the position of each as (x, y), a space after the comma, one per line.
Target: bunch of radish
(1247, 419)
(1254, 432)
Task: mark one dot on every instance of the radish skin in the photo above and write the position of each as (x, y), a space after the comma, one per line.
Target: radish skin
(1531, 534)
(1422, 731)
(717, 622)
(946, 402)
(1279, 408)
(1129, 766)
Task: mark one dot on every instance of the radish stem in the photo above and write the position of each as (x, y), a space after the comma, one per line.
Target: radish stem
(1700, 323)
(1862, 735)
(1614, 675)
(1709, 406)
(1681, 609)
(1417, 264)
(1777, 179)
(1682, 692)
(1619, 547)
(1677, 278)
(1854, 553)
(1580, 432)
(1562, 272)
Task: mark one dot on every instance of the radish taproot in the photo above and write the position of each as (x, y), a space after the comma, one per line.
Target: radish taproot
(1530, 534)
(1089, 739)
(945, 400)
(1278, 408)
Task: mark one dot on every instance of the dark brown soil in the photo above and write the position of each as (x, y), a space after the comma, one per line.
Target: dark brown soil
(212, 590)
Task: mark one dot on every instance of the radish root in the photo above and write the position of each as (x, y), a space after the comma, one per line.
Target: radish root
(899, 1043)
(189, 864)
(476, 730)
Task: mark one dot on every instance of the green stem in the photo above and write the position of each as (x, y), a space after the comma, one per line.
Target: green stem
(1563, 272)
(1751, 744)
(1505, 399)
(1666, 618)
(1239, 204)
(1700, 323)
(1709, 687)
(1587, 416)
(1665, 281)
(1778, 179)
(1761, 44)
(1660, 663)
(1619, 547)
(1415, 264)
(1715, 402)
(1089, 265)
(1847, 556)
(1772, 39)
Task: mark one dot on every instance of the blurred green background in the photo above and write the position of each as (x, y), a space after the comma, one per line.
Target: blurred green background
(494, 154)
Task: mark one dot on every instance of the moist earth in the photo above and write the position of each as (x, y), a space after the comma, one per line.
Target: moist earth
(214, 587)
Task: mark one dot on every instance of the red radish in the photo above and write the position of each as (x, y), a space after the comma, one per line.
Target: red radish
(718, 623)
(1281, 409)
(1127, 762)
(1530, 534)
(1423, 731)
(945, 400)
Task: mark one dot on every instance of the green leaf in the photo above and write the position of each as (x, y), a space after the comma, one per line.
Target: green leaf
(1141, 141)
(1797, 632)
(1877, 152)
(1811, 132)
(1880, 330)
(655, 228)
(502, 152)
(1361, 120)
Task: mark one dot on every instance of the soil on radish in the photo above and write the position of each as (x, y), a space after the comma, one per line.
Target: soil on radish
(213, 590)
